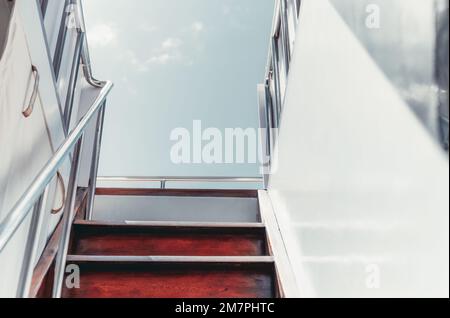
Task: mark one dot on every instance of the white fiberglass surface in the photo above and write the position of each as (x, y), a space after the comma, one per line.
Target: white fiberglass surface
(361, 189)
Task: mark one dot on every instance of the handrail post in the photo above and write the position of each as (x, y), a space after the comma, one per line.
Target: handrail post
(63, 246)
(95, 163)
(26, 273)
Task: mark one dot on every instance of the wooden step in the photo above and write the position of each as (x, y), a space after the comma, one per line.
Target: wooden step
(168, 238)
(173, 277)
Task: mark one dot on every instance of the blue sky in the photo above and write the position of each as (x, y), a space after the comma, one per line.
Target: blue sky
(175, 61)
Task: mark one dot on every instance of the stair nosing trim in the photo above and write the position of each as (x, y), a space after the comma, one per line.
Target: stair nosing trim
(172, 259)
(195, 193)
(170, 224)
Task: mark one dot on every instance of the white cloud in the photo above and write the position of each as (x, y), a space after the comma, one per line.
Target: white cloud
(144, 26)
(197, 27)
(171, 43)
(102, 35)
(161, 59)
(169, 51)
(143, 65)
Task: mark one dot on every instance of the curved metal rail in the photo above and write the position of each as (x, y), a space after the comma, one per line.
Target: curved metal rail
(33, 201)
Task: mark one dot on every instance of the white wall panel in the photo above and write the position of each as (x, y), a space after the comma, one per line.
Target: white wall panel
(361, 187)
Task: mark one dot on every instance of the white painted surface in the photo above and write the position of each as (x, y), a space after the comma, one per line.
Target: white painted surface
(40, 57)
(25, 142)
(41, 39)
(284, 268)
(361, 188)
(181, 209)
(87, 96)
(25, 146)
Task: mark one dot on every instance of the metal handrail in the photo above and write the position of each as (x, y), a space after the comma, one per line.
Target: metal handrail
(23, 207)
(87, 69)
(33, 201)
(164, 180)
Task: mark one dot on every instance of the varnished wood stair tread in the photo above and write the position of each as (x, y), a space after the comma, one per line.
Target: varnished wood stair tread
(135, 259)
(173, 277)
(95, 238)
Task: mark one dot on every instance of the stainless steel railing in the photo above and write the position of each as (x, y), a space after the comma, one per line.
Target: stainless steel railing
(35, 197)
(164, 180)
(33, 200)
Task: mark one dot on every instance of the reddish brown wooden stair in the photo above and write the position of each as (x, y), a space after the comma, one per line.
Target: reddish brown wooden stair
(174, 277)
(176, 239)
(124, 259)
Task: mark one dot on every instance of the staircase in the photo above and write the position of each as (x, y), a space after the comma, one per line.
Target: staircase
(172, 259)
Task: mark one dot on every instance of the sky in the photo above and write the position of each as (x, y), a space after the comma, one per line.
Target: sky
(173, 62)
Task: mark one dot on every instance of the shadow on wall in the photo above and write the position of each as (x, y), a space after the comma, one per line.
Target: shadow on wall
(408, 40)
(442, 65)
(5, 16)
